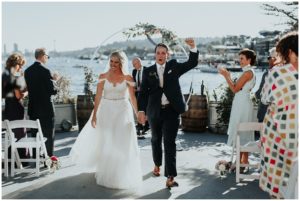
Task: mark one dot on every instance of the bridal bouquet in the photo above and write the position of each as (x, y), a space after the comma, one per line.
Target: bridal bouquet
(53, 163)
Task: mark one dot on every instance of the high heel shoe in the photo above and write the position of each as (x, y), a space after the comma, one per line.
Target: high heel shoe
(171, 183)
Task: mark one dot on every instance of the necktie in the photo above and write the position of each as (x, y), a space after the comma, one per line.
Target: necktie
(138, 79)
(161, 77)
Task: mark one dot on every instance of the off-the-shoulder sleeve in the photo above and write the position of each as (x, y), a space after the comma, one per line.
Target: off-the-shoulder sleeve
(101, 80)
(130, 83)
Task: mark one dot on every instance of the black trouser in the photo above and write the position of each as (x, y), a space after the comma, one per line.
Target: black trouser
(166, 127)
(47, 125)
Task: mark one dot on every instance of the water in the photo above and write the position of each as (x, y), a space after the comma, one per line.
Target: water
(65, 67)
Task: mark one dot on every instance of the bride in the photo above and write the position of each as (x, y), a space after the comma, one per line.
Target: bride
(107, 144)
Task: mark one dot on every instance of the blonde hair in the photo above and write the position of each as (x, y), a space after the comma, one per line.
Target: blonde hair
(15, 59)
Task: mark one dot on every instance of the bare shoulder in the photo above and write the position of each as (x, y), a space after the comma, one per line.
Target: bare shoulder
(248, 74)
(102, 75)
(129, 78)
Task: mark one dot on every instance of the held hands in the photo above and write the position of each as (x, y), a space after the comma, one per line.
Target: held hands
(141, 118)
(190, 42)
(94, 120)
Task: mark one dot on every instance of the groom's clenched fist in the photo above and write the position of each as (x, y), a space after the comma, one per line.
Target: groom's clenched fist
(190, 42)
(141, 117)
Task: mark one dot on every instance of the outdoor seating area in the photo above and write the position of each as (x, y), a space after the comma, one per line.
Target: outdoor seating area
(196, 173)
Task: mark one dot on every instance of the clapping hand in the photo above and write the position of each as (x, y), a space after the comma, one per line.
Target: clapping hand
(223, 71)
(190, 42)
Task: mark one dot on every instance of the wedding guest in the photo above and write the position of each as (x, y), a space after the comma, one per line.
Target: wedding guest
(262, 108)
(280, 125)
(161, 102)
(137, 76)
(40, 89)
(14, 91)
(242, 106)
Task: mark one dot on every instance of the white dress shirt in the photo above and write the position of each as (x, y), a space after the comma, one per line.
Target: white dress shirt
(160, 70)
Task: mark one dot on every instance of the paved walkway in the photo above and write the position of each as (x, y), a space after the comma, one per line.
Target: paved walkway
(197, 176)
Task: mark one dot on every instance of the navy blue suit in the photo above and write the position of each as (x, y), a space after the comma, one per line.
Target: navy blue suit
(164, 122)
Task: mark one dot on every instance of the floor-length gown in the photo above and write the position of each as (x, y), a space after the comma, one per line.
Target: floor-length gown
(241, 111)
(111, 149)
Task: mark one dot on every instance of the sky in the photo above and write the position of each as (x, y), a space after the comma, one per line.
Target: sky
(76, 25)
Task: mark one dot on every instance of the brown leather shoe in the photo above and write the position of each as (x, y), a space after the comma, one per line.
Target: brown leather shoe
(156, 171)
(171, 183)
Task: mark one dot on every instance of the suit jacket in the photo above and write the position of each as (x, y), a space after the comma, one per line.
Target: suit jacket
(40, 88)
(134, 72)
(262, 109)
(150, 95)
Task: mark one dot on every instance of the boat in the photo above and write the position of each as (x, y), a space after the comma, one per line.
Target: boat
(180, 57)
(78, 66)
(207, 68)
(232, 66)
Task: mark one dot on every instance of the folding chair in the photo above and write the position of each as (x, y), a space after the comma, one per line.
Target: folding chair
(37, 142)
(6, 143)
(250, 147)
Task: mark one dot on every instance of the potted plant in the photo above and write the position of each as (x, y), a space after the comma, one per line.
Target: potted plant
(220, 108)
(85, 103)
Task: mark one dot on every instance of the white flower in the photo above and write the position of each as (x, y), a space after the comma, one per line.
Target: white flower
(222, 167)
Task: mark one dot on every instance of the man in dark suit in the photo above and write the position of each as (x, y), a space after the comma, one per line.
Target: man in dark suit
(161, 100)
(137, 76)
(262, 109)
(40, 88)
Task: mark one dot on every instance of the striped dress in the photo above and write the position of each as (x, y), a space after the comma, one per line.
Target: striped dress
(280, 128)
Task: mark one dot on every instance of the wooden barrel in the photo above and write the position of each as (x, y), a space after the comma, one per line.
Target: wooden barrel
(84, 108)
(196, 118)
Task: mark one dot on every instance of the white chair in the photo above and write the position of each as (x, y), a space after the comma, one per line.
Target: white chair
(250, 147)
(37, 142)
(6, 143)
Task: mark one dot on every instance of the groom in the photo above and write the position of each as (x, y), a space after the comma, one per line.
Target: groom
(161, 97)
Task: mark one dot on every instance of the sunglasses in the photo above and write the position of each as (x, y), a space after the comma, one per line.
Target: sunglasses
(47, 56)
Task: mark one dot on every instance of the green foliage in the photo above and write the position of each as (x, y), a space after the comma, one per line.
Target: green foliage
(140, 29)
(89, 80)
(224, 106)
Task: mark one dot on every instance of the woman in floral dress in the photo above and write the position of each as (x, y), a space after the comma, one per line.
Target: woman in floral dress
(280, 126)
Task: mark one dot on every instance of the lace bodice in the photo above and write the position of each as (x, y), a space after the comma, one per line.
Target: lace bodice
(116, 91)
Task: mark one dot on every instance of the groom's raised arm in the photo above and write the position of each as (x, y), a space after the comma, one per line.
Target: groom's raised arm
(192, 62)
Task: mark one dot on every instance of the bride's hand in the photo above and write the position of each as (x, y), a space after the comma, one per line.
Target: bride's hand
(94, 120)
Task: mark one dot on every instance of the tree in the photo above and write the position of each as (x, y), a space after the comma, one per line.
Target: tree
(289, 11)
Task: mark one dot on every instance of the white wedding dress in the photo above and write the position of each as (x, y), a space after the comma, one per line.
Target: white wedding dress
(111, 149)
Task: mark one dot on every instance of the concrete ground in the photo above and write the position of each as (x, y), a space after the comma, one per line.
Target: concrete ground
(197, 176)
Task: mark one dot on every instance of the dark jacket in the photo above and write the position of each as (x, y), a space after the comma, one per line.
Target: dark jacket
(262, 109)
(40, 88)
(134, 72)
(150, 95)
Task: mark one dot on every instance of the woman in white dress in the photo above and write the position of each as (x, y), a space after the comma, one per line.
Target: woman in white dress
(242, 106)
(107, 144)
